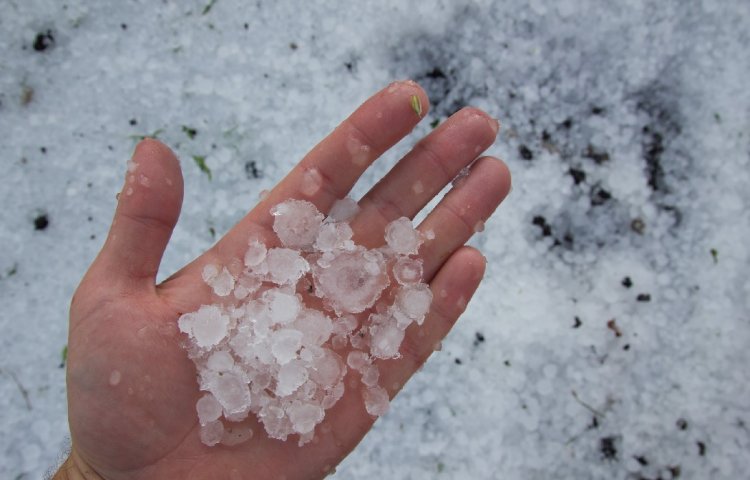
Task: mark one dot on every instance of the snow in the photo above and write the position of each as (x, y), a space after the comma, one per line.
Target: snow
(659, 87)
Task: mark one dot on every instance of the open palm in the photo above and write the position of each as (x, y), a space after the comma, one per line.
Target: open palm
(132, 389)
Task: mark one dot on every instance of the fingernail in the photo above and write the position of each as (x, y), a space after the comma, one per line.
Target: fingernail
(494, 124)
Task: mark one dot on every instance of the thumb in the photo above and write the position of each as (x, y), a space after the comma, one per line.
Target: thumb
(147, 211)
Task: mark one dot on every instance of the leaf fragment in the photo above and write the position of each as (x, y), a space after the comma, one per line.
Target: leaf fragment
(200, 160)
(416, 105)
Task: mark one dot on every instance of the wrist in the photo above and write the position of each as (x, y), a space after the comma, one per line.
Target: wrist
(75, 468)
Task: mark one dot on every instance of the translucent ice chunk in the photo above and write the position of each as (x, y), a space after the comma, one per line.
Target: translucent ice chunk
(283, 306)
(235, 434)
(414, 301)
(343, 210)
(222, 283)
(370, 375)
(305, 416)
(220, 361)
(211, 433)
(385, 340)
(352, 282)
(376, 401)
(327, 370)
(332, 236)
(407, 270)
(209, 409)
(209, 272)
(315, 326)
(285, 266)
(296, 222)
(256, 252)
(357, 360)
(291, 375)
(284, 344)
(333, 396)
(345, 324)
(401, 236)
(207, 327)
(231, 391)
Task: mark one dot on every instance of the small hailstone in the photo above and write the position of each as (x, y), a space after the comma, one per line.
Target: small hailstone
(333, 396)
(285, 344)
(327, 370)
(315, 326)
(312, 180)
(376, 401)
(332, 236)
(209, 272)
(407, 270)
(283, 306)
(345, 324)
(256, 252)
(285, 266)
(209, 409)
(231, 391)
(208, 326)
(414, 301)
(343, 210)
(220, 361)
(290, 377)
(429, 234)
(370, 375)
(402, 237)
(339, 341)
(357, 360)
(222, 283)
(211, 433)
(461, 177)
(386, 340)
(296, 222)
(305, 416)
(351, 283)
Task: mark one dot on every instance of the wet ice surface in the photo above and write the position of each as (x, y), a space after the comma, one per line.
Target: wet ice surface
(267, 354)
(612, 113)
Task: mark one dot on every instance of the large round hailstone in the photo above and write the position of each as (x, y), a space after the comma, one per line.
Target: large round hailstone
(296, 223)
(352, 282)
(402, 237)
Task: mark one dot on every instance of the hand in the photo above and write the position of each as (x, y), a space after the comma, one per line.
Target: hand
(132, 389)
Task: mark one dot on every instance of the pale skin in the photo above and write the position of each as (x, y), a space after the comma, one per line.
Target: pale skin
(132, 389)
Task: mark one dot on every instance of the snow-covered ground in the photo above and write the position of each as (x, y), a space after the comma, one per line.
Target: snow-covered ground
(611, 337)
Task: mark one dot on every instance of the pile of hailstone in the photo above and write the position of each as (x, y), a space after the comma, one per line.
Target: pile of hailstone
(268, 346)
